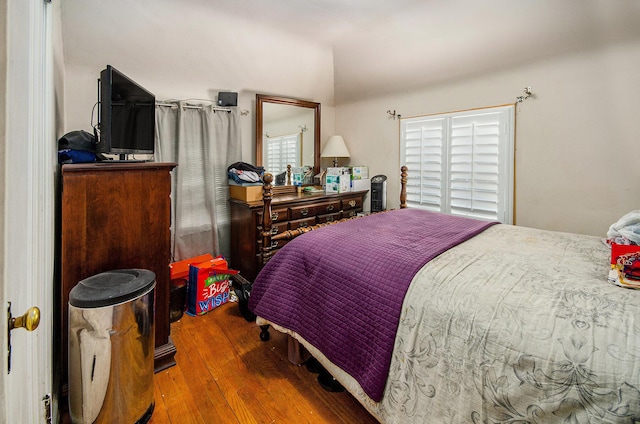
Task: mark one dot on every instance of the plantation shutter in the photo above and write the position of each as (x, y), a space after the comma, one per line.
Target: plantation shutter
(425, 154)
(461, 163)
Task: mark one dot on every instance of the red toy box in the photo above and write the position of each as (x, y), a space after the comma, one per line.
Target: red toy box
(179, 279)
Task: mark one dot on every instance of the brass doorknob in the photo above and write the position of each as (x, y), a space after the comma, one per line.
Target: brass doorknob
(29, 321)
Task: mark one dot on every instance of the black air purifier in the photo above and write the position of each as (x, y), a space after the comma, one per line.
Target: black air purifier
(378, 193)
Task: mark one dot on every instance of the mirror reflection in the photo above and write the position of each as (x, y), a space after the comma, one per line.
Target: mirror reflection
(287, 137)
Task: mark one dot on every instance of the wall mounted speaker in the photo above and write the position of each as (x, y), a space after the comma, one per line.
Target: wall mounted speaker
(227, 98)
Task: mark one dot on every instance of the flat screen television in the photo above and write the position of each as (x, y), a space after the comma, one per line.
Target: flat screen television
(127, 115)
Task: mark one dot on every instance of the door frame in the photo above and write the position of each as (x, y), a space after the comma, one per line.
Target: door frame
(27, 212)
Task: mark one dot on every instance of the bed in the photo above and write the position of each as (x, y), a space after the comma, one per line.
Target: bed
(426, 318)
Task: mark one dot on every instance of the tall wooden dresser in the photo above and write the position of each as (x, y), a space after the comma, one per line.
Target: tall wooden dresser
(290, 211)
(115, 216)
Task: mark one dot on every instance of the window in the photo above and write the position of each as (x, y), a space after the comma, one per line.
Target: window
(461, 163)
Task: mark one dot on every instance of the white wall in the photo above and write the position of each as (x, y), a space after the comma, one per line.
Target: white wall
(180, 52)
(576, 138)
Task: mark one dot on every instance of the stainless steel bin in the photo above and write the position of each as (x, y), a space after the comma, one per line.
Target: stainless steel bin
(111, 347)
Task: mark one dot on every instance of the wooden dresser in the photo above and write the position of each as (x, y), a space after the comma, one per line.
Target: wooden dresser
(290, 211)
(115, 216)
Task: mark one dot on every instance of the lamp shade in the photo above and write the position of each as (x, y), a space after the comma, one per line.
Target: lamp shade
(335, 148)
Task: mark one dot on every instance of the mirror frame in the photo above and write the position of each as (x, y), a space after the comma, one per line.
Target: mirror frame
(261, 99)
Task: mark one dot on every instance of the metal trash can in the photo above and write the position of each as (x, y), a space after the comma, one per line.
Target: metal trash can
(111, 347)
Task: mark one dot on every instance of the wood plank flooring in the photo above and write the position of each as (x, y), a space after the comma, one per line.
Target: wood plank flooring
(225, 374)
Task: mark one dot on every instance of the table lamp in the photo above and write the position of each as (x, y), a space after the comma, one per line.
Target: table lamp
(335, 148)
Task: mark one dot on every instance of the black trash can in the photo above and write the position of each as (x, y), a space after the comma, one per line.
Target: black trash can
(111, 347)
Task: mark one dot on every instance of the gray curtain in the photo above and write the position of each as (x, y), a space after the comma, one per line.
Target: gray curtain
(203, 142)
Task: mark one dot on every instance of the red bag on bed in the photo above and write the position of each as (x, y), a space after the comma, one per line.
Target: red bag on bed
(208, 286)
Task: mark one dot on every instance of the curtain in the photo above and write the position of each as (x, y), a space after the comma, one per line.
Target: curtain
(203, 141)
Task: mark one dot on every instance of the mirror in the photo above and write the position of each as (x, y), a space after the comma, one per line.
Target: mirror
(287, 133)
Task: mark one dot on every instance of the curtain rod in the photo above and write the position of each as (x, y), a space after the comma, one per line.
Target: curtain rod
(222, 109)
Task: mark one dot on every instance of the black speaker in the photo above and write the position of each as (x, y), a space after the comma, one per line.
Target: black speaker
(227, 98)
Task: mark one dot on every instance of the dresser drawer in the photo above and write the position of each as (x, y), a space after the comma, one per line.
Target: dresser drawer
(330, 217)
(328, 208)
(309, 210)
(306, 222)
(276, 228)
(277, 215)
(353, 202)
(302, 212)
(350, 213)
(275, 244)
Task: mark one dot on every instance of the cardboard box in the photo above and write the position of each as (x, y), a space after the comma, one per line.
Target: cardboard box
(252, 193)
(341, 170)
(344, 183)
(359, 172)
(338, 184)
(332, 184)
(338, 180)
(361, 184)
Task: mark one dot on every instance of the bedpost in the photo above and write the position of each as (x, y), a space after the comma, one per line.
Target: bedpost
(267, 194)
(403, 187)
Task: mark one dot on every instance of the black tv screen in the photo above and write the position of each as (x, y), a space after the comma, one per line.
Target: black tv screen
(127, 115)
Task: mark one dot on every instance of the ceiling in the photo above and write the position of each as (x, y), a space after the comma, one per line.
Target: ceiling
(399, 43)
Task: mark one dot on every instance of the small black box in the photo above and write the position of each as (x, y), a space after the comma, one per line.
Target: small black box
(227, 98)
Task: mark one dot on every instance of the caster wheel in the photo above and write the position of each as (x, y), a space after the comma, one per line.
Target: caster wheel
(264, 333)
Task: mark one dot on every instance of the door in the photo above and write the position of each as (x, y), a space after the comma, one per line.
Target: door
(27, 153)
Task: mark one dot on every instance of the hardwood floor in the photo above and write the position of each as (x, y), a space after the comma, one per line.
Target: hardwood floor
(225, 374)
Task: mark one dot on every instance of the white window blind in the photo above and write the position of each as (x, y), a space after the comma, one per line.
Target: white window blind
(282, 151)
(461, 163)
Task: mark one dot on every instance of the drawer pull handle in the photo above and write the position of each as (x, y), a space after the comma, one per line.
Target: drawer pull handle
(352, 203)
(330, 208)
(274, 230)
(353, 213)
(274, 244)
(304, 225)
(330, 219)
(274, 216)
(304, 212)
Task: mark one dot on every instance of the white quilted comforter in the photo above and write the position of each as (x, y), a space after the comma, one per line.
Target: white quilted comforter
(516, 325)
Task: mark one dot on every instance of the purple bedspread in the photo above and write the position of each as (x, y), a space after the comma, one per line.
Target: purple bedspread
(341, 287)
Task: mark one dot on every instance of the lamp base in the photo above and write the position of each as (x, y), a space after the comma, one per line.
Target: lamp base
(335, 162)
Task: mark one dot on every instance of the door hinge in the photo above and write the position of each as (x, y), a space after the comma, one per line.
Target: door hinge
(46, 402)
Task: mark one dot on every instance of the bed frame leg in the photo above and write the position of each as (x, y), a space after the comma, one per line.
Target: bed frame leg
(264, 333)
